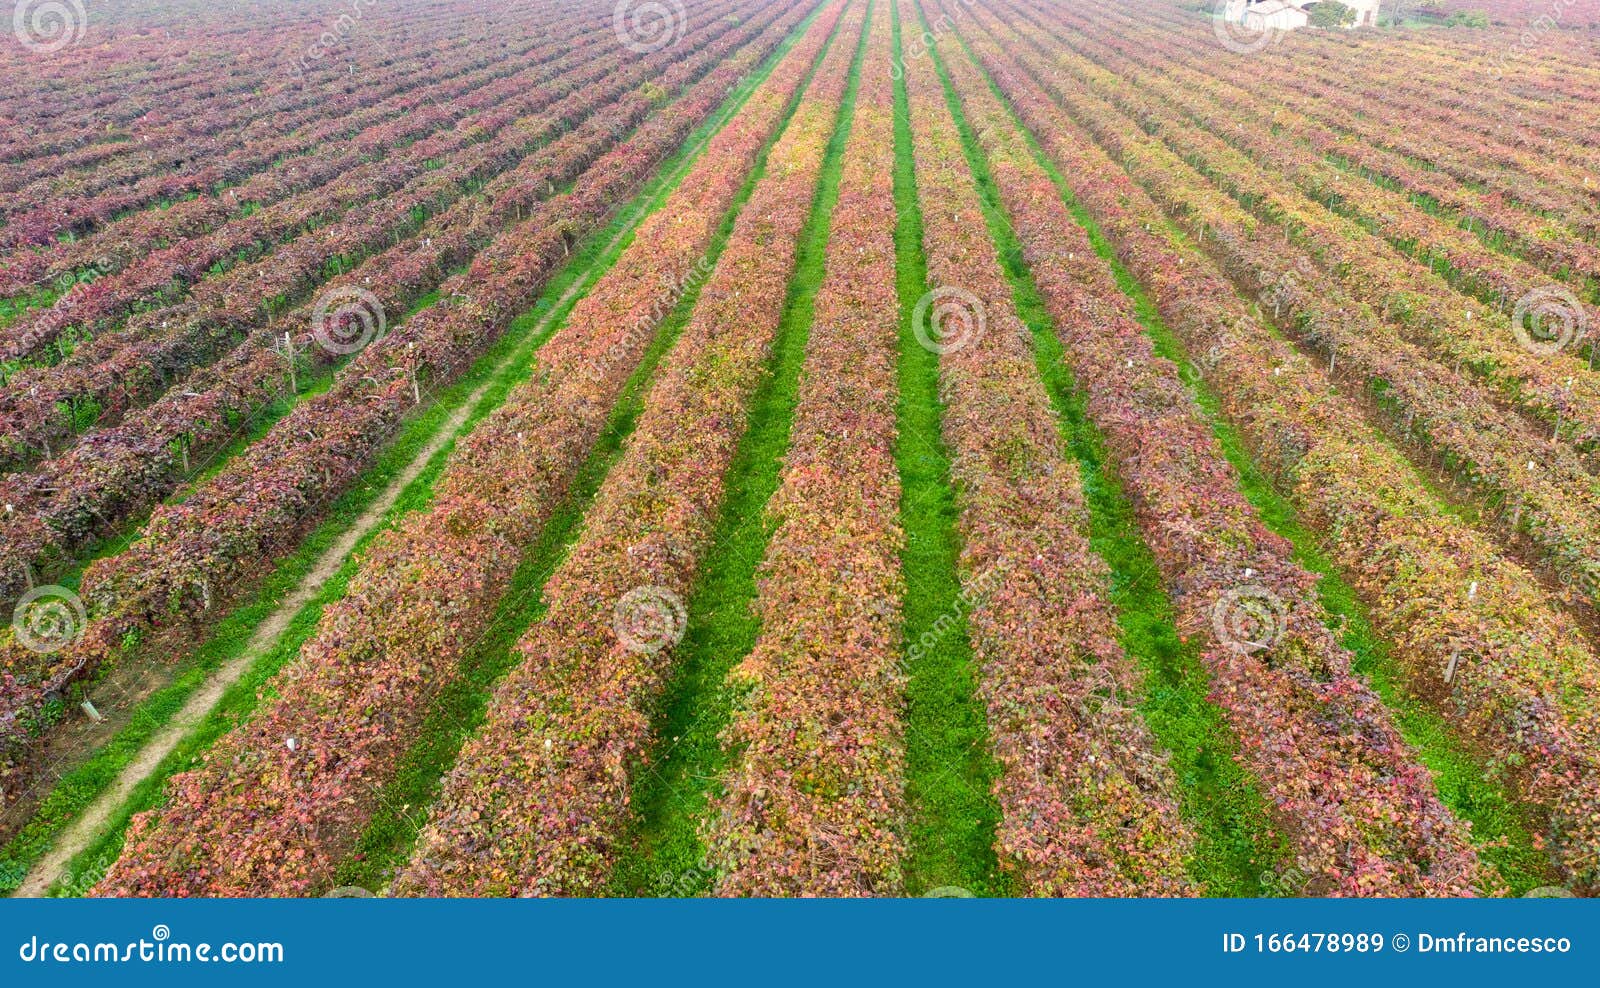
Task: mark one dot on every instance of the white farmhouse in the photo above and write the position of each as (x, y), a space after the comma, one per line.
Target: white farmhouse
(1287, 15)
(1271, 15)
(1366, 12)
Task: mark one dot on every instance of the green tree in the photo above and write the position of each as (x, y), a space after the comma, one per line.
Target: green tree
(1330, 13)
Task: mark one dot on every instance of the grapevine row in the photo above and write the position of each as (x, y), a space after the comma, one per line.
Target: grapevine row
(258, 505)
(537, 798)
(1362, 812)
(1086, 799)
(815, 800)
(1474, 635)
(356, 696)
(114, 473)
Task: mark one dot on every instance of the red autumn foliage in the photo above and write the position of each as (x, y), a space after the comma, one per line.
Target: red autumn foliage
(355, 698)
(1086, 798)
(537, 798)
(814, 802)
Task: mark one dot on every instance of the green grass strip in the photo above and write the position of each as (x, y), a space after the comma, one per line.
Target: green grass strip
(1237, 853)
(82, 785)
(235, 631)
(12, 307)
(663, 852)
(949, 771)
(1501, 830)
(460, 708)
(387, 842)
